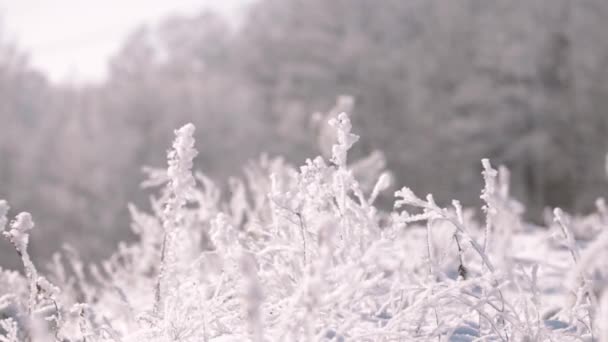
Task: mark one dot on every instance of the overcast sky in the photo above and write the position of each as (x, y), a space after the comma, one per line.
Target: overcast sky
(72, 39)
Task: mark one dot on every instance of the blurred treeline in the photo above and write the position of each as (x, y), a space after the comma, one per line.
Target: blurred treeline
(438, 85)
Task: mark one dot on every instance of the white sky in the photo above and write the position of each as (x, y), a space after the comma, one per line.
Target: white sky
(71, 40)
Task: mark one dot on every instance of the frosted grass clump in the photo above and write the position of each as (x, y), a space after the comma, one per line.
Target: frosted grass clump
(302, 254)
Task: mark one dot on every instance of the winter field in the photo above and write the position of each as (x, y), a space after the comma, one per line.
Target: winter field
(303, 254)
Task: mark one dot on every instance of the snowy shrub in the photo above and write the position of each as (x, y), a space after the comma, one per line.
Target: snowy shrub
(302, 254)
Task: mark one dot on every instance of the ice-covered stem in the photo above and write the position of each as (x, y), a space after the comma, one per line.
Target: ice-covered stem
(181, 188)
(488, 196)
(462, 270)
(18, 236)
(383, 183)
(583, 282)
(569, 239)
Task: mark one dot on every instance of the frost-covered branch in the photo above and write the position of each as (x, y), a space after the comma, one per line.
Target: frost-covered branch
(181, 188)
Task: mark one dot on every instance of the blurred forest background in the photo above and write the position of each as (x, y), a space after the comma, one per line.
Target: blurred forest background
(438, 85)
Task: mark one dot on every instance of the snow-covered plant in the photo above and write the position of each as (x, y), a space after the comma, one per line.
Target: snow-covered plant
(180, 189)
(41, 304)
(303, 254)
(18, 236)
